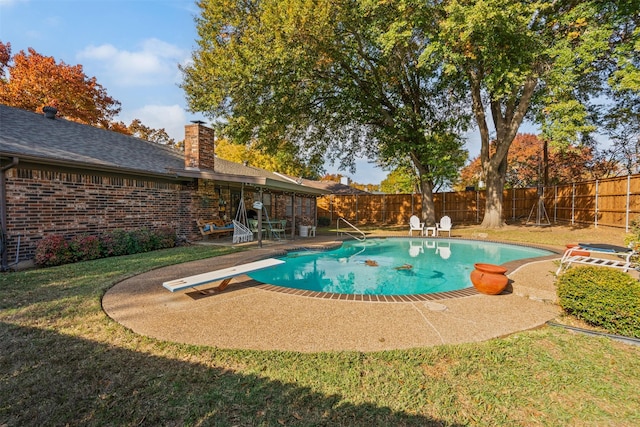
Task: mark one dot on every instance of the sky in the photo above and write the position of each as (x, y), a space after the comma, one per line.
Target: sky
(133, 48)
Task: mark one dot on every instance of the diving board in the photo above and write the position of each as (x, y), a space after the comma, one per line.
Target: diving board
(225, 275)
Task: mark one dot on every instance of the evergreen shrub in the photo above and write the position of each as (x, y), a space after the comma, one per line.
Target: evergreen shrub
(602, 297)
(85, 247)
(56, 250)
(53, 250)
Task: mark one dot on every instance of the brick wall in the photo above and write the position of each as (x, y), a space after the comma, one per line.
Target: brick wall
(44, 202)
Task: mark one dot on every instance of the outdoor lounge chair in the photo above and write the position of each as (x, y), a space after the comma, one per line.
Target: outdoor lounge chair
(415, 224)
(444, 225)
(214, 227)
(599, 255)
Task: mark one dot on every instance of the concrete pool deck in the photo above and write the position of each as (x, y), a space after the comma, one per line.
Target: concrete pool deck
(249, 315)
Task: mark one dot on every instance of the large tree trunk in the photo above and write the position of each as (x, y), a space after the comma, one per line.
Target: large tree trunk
(507, 115)
(428, 207)
(493, 217)
(428, 211)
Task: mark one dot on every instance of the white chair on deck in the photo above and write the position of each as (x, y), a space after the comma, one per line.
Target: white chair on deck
(415, 225)
(444, 225)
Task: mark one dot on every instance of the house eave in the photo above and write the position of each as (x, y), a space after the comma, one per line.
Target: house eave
(171, 174)
(34, 161)
(256, 181)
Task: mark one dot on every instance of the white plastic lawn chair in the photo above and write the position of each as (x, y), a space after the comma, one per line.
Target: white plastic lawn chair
(415, 225)
(444, 225)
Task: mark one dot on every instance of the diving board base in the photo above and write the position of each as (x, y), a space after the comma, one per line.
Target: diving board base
(225, 275)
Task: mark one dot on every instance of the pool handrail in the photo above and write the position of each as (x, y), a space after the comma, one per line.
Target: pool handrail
(361, 238)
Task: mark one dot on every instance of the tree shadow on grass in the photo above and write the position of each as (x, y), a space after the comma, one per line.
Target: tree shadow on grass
(53, 379)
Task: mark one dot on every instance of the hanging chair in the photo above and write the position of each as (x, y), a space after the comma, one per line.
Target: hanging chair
(241, 233)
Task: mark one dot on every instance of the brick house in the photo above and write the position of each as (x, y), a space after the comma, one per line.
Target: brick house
(62, 177)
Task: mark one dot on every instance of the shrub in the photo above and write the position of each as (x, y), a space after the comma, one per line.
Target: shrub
(166, 238)
(114, 243)
(53, 250)
(141, 240)
(84, 247)
(633, 238)
(602, 297)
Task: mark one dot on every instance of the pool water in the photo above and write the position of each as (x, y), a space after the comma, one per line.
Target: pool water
(395, 266)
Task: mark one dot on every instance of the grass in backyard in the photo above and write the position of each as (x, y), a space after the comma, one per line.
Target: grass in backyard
(557, 235)
(63, 361)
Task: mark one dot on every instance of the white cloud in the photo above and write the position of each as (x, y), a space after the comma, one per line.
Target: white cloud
(9, 3)
(171, 118)
(154, 63)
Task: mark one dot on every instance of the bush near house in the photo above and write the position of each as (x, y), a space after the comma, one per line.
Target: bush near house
(53, 250)
(602, 297)
(56, 250)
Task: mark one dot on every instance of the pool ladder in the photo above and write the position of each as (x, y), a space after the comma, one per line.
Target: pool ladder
(361, 237)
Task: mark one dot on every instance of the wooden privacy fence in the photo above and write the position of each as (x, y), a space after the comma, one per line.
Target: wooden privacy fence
(613, 202)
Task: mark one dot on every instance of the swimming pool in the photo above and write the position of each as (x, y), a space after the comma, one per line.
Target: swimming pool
(393, 266)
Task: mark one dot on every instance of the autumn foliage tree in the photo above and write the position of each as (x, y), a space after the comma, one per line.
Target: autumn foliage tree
(284, 162)
(32, 81)
(525, 167)
(160, 136)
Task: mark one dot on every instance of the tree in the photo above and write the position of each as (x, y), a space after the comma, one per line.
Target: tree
(525, 165)
(160, 136)
(35, 81)
(518, 55)
(332, 177)
(253, 156)
(398, 181)
(622, 117)
(337, 79)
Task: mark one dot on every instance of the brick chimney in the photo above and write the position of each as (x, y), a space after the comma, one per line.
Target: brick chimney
(198, 146)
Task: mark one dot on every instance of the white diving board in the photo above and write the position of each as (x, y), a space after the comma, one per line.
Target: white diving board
(225, 275)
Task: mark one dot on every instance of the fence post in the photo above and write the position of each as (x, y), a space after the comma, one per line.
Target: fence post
(555, 204)
(596, 209)
(628, 208)
(444, 203)
(331, 196)
(573, 203)
(357, 210)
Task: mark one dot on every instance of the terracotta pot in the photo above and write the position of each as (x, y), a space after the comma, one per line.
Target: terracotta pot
(489, 278)
(487, 283)
(490, 268)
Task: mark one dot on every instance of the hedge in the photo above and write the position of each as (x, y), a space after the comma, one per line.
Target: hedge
(602, 297)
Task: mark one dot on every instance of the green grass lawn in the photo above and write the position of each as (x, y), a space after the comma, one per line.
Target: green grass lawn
(64, 362)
